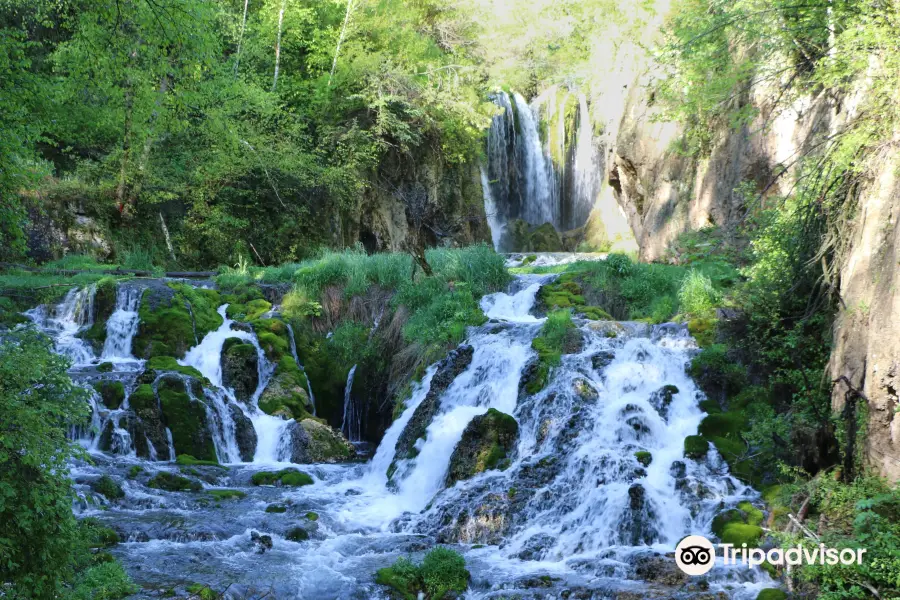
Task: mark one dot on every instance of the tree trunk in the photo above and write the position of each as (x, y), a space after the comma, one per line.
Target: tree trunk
(337, 50)
(237, 60)
(278, 45)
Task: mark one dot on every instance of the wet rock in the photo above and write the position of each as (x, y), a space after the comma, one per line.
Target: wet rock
(662, 398)
(112, 393)
(296, 534)
(146, 428)
(108, 487)
(173, 483)
(285, 395)
(659, 569)
(536, 546)
(315, 442)
(678, 470)
(584, 390)
(239, 368)
(448, 369)
(104, 444)
(636, 525)
(262, 543)
(185, 417)
(573, 343)
(244, 433)
(485, 444)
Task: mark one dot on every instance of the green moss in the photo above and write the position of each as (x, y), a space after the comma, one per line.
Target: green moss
(549, 347)
(703, 330)
(753, 515)
(312, 516)
(644, 457)
(741, 533)
(771, 594)
(96, 535)
(108, 487)
(276, 508)
(226, 494)
(173, 483)
(105, 367)
(188, 460)
(186, 419)
(168, 329)
(112, 393)
(168, 363)
(695, 446)
(142, 398)
(725, 517)
(288, 477)
(202, 592)
(248, 311)
(403, 577)
(134, 471)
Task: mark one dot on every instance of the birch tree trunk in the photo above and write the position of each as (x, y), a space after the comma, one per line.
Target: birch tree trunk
(337, 50)
(278, 45)
(237, 60)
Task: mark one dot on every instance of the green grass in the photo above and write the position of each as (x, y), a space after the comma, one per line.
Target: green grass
(442, 571)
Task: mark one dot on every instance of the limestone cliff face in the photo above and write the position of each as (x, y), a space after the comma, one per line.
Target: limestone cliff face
(664, 193)
(867, 331)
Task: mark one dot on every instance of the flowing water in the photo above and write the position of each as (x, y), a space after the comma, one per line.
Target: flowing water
(571, 516)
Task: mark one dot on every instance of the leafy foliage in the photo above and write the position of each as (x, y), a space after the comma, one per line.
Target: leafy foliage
(442, 570)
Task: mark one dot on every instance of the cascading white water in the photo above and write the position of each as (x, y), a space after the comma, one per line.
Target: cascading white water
(495, 220)
(122, 324)
(538, 205)
(587, 172)
(206, 357)
(66, 320)
(351, 424)
(309, 390)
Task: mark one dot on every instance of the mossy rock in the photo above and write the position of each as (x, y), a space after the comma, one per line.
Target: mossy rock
(545, 238)
(227, 494)
(112, 393)
(168, 364)
(644, 457)
(173, 483)
(752, 514)
(240, 368)
(276, 508)
(485, 444)
(287, 477)
(105, 367)
(297, 534)
(771, 594)
(695, 446)
(104, 306)
(108, 487)
(311, 516)
(312, 441)
(739, 525)
(169, 317)
(741, 533)
(703, 330)
(186, 460)
(249, 310)
(149, 426)
(134, 471)
(594, 313)
(186, 419)
(286, 395)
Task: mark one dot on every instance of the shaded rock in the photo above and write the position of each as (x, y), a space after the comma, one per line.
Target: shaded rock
(240, 368)
(485, 444)
(314, 442)
(108, 487)
(146, 428)
(285, 395)
(584, 389)
(659, 569)
(448, 369)
(262, 543)
(185, 417)
(636, 525)
(244, 433)
(662, 398)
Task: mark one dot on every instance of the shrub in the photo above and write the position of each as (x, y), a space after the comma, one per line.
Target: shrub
(444, 570)
(107, 581)
(697, 295)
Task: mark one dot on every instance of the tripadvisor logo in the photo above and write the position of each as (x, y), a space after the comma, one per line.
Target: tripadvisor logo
(696, 555)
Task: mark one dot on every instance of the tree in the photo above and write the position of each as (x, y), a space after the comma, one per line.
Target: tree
(38, 402)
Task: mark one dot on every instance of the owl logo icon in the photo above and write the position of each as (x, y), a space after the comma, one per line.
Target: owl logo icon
(695, 555)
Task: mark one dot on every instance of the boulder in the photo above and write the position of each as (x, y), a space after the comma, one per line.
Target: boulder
(486, 444)
(244, 433)
(285, 395)
(240, 368)
(315, 442)
(662, 398)
(448, 369)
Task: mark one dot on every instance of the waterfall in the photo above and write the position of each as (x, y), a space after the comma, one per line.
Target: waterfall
(543, 163)
(351, 425)
(312, 397)
(587, 172)
(206, 357)
(122, 324)
(495, 220)
(538, 207)
(64, 322)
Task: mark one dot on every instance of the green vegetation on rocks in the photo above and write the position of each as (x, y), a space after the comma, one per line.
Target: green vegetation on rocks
(186, 418)
(170, 316)
(441, 574)
(297, 534)
(486, 443)
(188, 460)
(173, 483)
(557, 336)
(289, 477)
(108, 487)
(112, 393)
(227, 494)
(644, 457)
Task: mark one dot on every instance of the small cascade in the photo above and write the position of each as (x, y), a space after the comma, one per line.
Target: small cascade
(65, 321)
(86, 434)
(206, 357)
(312, 397)
(122, 324)
(351, 425)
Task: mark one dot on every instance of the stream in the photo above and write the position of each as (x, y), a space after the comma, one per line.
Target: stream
(575, 515)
